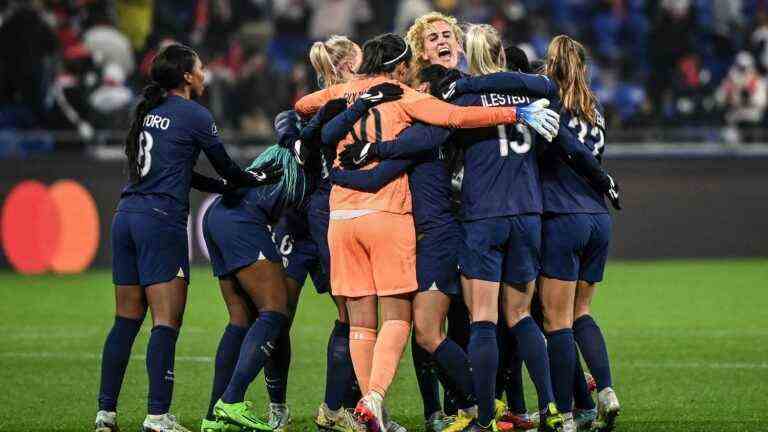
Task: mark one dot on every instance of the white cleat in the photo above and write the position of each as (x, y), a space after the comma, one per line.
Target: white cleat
(162, 423)
(370, 412)
(607, 410)
(393, 426)
(568, 424)
(106, 421)
(279, 417)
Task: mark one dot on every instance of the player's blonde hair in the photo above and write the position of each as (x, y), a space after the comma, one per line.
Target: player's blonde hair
(567, 65)
(485, 51)
(327, 56)
(417, 32)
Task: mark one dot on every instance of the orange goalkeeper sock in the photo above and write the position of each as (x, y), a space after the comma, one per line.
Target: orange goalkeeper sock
(387, 353)
(361, 345)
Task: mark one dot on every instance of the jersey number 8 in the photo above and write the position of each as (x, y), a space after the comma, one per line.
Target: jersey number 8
(505, 144)
(145, 147)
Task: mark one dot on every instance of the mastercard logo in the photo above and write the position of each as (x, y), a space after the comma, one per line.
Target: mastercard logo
(52, 228)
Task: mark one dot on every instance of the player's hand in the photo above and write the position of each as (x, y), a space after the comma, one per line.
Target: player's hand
(542, 119)
(609, 187)
(446, 88)
(301, 151)
(266, 174)
(358, 154)
(287, 128)
(385, 92)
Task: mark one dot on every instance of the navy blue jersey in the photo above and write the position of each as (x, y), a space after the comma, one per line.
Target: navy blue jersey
(170, 141)
(501, 174)
(574, 155)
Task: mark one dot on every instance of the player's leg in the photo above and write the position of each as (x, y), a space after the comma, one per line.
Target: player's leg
(587, 333)
(481, 265)
(458, 331)
(130, 309)
(241, 314)
(584, 409)
(521, 268)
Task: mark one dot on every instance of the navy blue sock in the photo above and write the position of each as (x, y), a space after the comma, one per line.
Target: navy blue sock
(562, 361)
(425, 378)
(484, 356)
(160, 357)
(592, 347)
(114, 360)
(581, 397)
(277, 366)
(533, 350)
(454, 364)
(226, 359)
(458, 331)
(353, 394)
(502, 372)
(514, 377)
(339, 371)
(259, 344)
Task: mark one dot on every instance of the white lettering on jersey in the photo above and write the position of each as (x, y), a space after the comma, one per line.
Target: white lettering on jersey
(495, 99)
(156, 121)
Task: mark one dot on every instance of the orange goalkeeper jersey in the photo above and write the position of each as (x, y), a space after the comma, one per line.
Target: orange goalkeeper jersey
(384, 123)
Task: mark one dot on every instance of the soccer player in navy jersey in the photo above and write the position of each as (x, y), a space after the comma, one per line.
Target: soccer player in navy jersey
(249, 268)
(576, 226)
(149, 229)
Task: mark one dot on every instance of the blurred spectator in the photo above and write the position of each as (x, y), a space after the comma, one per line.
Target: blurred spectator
(135, 21)
(743, 93)
(340, 17)
(111, 101)
(108, 45)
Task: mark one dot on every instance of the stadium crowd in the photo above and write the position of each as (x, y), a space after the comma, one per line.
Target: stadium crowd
(78, 65)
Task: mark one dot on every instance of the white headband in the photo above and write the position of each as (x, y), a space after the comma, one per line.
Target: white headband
(398, 57)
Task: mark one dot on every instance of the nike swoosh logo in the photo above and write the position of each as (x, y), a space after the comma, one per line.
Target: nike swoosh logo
(377, 96)
(260, 176)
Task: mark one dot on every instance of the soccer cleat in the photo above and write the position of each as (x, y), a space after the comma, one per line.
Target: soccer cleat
(106, 421)
(437, 422)
(279, 417)
(520, 421)
(342, 420)
(607, 410)
(239, 414)
(499, 408)
(369, 411)
(551, 420)
(584, 418)
(162, 423)
(495, 426)
(217, 426)
(393, 426)
(459, 422)
(568, 424)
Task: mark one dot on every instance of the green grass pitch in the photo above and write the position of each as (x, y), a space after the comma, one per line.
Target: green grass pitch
(688, 341)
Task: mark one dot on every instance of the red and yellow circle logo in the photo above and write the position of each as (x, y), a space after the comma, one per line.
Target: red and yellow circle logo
(49, 228)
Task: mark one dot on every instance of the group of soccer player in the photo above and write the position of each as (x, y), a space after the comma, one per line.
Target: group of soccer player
(359, 194)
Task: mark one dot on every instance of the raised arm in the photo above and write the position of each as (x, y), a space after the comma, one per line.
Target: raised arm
(208, 184)
(413, 141)
(371, 180)
(430, 110)
(504, 82)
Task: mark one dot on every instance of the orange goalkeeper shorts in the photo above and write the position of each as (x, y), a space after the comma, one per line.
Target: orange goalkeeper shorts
(374, 254)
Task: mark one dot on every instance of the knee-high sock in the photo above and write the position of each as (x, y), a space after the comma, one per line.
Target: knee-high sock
(353, 394)
(562, 361)
(425, 378)
(533, 350)
(454, 364)
(503, 371)
(581, 397)
(226, 359)
(592, 347)
(259, 343)
(389, 348)
(362, 341)
(339, 371)
(458, 331)
(114, 360)
(514, 378)
(484, 356)
(277, 366)
(160, 358)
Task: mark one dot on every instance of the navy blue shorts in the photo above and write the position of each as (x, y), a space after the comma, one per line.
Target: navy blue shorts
(575, 246)
(301, 258)
(235, 239)
(437, 259)
(147, 249)
(502, 249)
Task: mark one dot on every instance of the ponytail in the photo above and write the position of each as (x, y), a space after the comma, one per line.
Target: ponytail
(167, 73)
(326, 57)
(383, 53)
(567, 66)
(485, 51)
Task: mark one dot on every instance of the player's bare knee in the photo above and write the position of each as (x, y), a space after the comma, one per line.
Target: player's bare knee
(428, 337)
